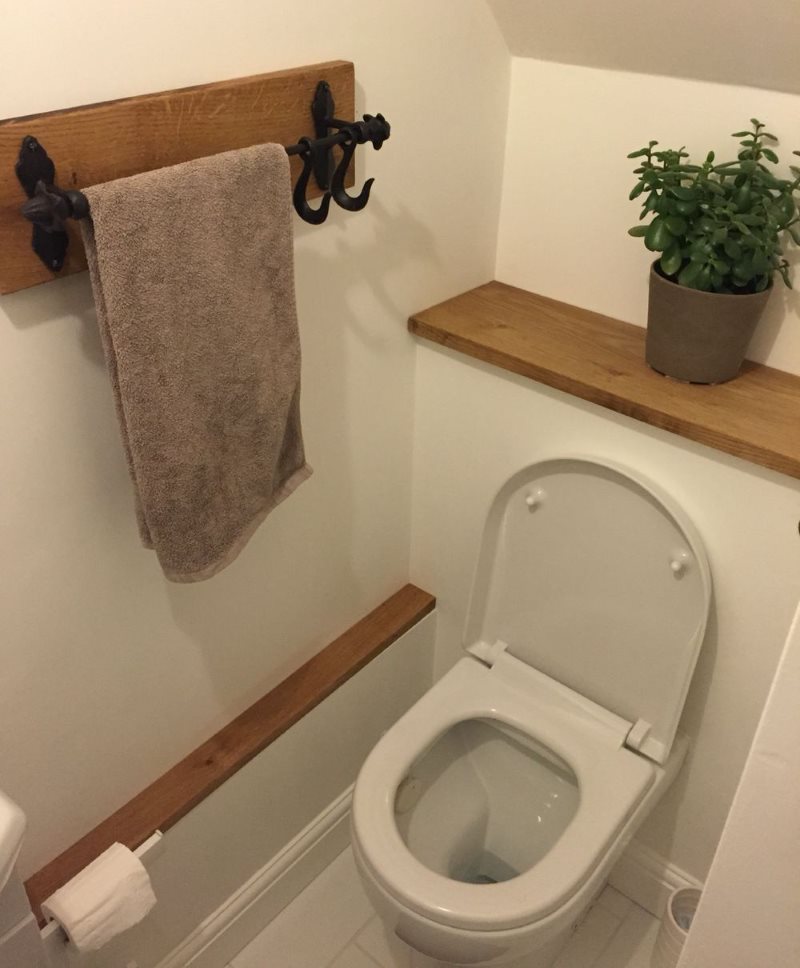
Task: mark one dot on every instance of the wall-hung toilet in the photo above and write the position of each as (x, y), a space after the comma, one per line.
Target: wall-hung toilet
(488, 818)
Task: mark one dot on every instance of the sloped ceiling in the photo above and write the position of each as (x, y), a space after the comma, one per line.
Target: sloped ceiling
(755, 43)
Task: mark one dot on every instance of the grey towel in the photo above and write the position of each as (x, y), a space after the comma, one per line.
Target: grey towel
(193, 276)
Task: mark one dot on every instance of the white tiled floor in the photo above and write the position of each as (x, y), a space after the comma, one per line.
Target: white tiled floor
(331, 925)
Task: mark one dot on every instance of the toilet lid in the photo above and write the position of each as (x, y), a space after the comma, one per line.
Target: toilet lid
(597, 579)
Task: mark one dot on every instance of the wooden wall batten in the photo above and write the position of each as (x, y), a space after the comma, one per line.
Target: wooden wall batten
(755, 417)
(101, 142)
(174, 794)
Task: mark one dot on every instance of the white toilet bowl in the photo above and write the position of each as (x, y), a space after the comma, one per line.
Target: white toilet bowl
(488, 818)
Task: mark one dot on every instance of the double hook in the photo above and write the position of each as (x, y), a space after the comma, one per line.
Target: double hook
(374, 129)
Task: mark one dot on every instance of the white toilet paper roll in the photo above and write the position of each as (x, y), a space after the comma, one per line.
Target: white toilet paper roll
(109, 896)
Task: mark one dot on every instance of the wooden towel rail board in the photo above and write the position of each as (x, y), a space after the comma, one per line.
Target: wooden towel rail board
(100, 142)
(755, 417)
(174, 794)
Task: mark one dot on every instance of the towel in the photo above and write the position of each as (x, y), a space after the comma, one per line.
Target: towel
(193, 276)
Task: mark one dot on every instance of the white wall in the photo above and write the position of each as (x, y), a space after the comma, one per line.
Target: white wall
(748, 910)
(477, 425)
(565, 211)
(109, 674)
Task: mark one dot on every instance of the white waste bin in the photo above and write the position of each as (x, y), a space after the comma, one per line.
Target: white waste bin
(675, 926)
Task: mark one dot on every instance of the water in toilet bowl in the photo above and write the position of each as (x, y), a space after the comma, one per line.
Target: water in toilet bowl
(484, 803)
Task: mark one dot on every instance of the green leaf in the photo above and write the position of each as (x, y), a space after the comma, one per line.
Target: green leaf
(651, 203)
(638, 231)
(733, 249)
(636, 191)
(671, 260)
(683, 194)
(743, 198)
(685, 208)
(769, 153)
(689, 273)
(787, 209)
(675, 225)
(638, 154)
(657, 237)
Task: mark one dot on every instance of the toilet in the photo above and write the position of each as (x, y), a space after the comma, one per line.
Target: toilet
(487, 819)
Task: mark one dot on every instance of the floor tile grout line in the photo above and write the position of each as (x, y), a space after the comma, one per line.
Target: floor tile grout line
(599, 954)
(352, 940)
(634, 911)
(371, 956)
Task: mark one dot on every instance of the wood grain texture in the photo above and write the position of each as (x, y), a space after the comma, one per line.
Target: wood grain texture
(755, 417)
(100, 142)
(174, 794)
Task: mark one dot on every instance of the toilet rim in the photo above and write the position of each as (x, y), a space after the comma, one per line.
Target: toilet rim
(612, 782)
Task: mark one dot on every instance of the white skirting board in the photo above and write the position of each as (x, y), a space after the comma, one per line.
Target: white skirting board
(648, 878)
(222, 935)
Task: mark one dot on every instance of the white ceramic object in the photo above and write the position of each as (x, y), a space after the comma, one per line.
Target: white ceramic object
(675, 925)
(12, 830)
(486, 820)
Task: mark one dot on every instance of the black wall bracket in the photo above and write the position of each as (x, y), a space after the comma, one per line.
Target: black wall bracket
(48, 206)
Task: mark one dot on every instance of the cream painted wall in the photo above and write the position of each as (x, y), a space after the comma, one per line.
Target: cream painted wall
(477, 425)
(109, 674)
(565, 212)
(739, 43)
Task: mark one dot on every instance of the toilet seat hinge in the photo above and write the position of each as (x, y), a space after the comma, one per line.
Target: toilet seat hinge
(637, 734)
(488, 654)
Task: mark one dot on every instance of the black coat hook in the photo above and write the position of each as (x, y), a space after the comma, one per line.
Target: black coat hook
(353, 203)
(308, 214)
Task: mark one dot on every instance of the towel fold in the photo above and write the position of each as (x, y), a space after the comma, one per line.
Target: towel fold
(193, 276)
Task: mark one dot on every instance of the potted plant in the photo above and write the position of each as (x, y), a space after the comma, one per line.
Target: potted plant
(719, 229)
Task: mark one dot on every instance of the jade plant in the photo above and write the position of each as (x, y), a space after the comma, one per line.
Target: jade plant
(718, 227)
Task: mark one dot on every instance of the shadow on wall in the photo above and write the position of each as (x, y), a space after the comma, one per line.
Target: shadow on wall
(665, 812)
(783, 305)
(72, 293)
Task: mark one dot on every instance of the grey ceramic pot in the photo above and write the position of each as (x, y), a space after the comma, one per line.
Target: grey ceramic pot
(699, 337)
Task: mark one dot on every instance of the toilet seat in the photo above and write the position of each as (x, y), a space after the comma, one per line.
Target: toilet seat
(612, 782)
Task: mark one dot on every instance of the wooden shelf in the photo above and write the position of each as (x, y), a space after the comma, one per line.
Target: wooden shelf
(755, 417)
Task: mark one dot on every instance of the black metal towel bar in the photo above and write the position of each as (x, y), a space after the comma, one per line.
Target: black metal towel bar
(49, 206)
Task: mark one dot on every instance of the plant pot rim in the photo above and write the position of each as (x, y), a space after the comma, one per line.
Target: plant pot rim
(656, 271)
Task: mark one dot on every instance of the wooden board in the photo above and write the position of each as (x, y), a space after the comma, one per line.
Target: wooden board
(100, 142)
(600, 359)
(174, 794)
